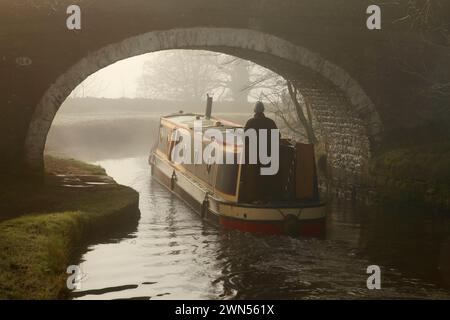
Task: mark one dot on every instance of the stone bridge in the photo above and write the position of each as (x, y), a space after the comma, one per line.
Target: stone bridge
(350, 75)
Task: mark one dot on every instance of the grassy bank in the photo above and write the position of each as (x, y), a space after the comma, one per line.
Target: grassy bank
(43, 227)
(414, 175)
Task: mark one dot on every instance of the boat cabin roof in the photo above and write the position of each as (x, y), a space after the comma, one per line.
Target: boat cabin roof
(186, 120)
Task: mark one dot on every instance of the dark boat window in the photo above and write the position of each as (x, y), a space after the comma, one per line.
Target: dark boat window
(226, 180)
(163, 141)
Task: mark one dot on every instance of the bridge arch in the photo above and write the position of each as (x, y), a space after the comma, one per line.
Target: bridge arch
(346, 114)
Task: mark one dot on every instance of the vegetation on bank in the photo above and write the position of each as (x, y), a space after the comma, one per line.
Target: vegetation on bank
(414, 175)
(55, 166)
(43, 227)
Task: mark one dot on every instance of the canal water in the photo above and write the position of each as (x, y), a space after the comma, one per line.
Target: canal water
(173, 254)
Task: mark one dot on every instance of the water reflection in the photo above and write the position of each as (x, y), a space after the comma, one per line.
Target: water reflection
(417, 244)
(173, 254)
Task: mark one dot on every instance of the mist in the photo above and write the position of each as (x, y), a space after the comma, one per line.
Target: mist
(115, 112)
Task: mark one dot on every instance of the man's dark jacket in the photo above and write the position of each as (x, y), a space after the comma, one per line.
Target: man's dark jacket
(258, 187)
(260, 121)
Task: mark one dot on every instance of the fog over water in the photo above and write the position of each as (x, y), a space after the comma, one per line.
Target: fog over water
(173, 254)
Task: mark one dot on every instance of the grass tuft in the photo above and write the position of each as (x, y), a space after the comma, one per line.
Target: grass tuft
(41, 228)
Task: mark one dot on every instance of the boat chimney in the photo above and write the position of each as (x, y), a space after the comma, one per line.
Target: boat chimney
(209, 102)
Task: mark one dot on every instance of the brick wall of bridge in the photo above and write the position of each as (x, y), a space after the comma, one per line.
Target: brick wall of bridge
(334, 29)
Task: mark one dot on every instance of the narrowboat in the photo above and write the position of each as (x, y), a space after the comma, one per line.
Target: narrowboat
(229, 194)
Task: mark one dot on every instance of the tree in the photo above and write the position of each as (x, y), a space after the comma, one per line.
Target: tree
(306, 121)
(431, 21)
(238, 77)
(287, 103)
(190, 75)
(91, 86)
(178, 75)
(430, 18)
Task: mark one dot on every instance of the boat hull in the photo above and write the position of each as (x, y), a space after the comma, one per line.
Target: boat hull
(306, 220)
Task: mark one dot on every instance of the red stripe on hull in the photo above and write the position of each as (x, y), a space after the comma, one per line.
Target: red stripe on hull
(307, 228)
(314, 228)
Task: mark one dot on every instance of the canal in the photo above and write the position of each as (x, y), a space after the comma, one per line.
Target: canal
(173, 254)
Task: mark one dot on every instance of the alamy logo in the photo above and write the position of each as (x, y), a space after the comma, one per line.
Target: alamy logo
(374, 20)
(258, 142)
(374, 280)
(73, 21)
(74, 280)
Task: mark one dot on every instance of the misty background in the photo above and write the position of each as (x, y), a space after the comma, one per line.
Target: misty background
(115, 112)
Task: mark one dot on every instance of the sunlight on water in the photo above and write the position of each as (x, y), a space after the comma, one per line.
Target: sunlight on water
(173, 254)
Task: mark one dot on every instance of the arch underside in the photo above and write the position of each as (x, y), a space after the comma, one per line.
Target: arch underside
(345, 114)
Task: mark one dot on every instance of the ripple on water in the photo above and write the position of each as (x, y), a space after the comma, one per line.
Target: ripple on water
(174, 255)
